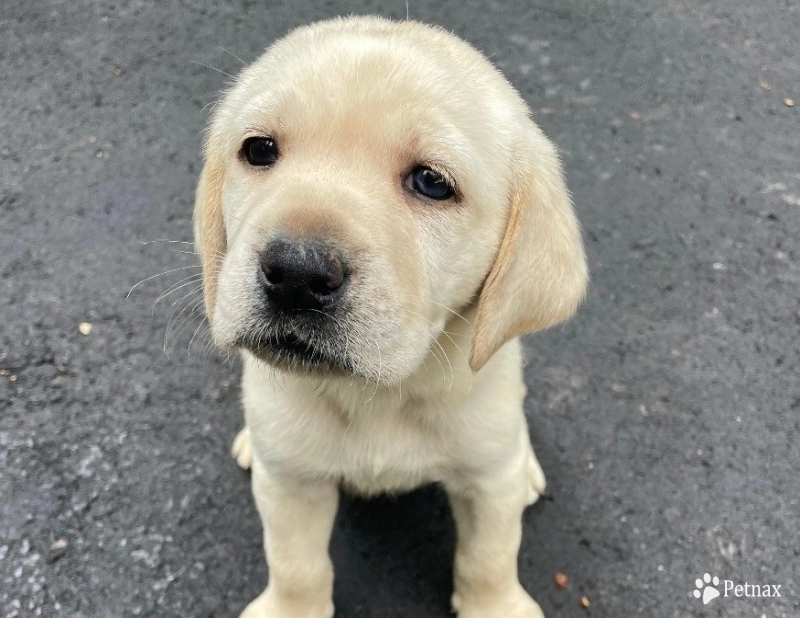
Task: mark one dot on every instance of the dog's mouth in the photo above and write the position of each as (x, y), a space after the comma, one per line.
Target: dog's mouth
(291, 345)
(294, 352)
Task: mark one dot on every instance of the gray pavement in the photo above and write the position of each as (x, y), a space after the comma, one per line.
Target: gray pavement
(665, 414)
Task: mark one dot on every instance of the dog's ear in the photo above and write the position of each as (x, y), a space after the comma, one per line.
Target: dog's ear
(209, 229)
(539, 276)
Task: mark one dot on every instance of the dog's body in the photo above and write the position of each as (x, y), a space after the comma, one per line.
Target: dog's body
(378, 221)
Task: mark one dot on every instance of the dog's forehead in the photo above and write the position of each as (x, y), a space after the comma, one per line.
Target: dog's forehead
(364, 80)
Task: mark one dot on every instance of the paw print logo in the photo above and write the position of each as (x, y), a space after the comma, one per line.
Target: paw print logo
(706, 588)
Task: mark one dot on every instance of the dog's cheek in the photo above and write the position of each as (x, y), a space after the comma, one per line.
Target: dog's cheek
(386, 334)
(236, 295)
(235, 208)
(446, 259)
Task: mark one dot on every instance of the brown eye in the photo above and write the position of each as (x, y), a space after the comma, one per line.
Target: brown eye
(429, 183)
(260, 151)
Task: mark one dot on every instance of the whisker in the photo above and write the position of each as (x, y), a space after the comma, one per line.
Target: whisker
(182, 242)
(187, 323)
(215, 252)
(199, 326)
(186, 252)
(232, 54)
(378, 380)
(438, 360)
(196, 290)
(166, 272)
(208, 66)
(346, 429)
(177, 286)
(172, 325)
(211, 104)
(447, 358)
(327, 315)
(455, 313)
(209, 347)
(192, 302)
(436, 341)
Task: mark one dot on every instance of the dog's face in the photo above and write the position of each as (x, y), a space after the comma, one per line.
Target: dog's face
(365, 182)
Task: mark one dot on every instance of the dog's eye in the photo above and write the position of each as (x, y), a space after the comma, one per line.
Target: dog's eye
(429, 183)
(260, 151)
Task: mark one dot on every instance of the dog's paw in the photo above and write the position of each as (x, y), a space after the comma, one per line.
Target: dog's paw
(536, 481)
(242, 449)
(268, 605)
(517, 604)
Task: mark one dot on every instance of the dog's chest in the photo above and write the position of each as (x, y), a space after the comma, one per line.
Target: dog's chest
(376, 450)
(390, 453)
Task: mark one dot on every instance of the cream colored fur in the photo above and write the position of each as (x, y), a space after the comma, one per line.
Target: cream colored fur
(441, 293)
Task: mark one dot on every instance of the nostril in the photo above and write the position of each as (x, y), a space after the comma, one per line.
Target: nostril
(327, 284)
(274, 274)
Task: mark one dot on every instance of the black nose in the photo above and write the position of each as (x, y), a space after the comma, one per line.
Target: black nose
(302, 274)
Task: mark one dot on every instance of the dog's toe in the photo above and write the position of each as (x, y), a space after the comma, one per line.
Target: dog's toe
(242, 449)
(536, 480)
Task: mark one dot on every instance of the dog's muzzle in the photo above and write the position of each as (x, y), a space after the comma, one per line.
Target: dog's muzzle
(303, 282)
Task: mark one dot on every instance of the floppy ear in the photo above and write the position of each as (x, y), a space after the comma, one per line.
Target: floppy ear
(209, 230)
(539, 275)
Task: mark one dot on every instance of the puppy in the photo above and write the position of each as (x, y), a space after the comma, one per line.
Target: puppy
(378, 220)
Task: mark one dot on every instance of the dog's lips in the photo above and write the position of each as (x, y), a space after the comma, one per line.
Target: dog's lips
(291, 344)
(290, 350)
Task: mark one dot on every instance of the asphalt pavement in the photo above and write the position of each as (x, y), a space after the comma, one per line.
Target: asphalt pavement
(665, 415)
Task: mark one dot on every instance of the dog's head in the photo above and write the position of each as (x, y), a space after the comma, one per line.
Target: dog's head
(366, 179)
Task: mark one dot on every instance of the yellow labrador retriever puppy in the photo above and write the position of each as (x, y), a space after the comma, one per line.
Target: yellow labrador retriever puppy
(378, 220)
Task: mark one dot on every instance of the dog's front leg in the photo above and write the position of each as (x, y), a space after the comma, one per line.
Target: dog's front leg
(487, 511)
(297, 516)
